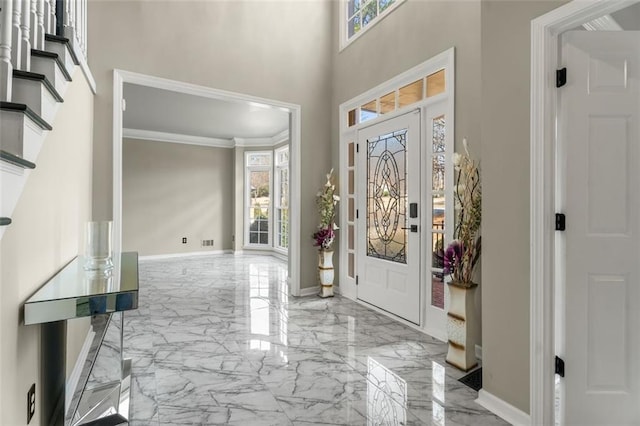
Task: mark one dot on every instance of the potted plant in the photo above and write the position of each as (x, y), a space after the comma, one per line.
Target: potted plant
(326, 201)
(460, 260)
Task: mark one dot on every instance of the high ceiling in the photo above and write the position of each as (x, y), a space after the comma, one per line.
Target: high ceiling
(160, 110)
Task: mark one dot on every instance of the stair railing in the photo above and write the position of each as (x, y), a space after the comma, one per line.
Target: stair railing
(23, 25)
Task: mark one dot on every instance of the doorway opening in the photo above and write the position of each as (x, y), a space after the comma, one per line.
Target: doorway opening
(396, 156)
(553, 273)
(236, 146)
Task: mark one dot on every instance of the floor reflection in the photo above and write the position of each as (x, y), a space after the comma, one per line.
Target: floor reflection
(386, 396)
(217, 340)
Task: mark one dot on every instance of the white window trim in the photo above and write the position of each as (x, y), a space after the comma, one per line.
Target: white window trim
(276, 204)
(247, 199)
(343, 27)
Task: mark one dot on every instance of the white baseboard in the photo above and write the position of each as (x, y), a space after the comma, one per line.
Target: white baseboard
(72, 383)
(503, 409)
(187, 254)
(310, 291)
(479, 352)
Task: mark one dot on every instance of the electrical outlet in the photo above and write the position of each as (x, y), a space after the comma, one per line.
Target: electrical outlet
(184, 240)
(31, 403)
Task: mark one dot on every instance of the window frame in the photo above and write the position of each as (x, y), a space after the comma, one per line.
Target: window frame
(345, 40)
(247, 198)
(278, 167)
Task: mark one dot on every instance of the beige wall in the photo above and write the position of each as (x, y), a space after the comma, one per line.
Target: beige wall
(172, 191)
(273, 49)
(505, 206)
(46, 233)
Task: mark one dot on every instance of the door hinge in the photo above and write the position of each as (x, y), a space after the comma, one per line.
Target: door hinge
(357, 147)
(561, 77)
(124, 104)
(357, 213)
(560, 222)
(356, 280)
(559, 366)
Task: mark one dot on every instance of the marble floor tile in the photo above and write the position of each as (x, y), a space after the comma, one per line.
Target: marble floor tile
(217, 340)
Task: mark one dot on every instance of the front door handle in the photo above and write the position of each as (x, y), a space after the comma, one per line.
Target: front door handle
(412, 228)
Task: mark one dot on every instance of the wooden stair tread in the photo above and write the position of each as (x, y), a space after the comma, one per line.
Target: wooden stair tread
(16, 107)
(27, 75)
(15, 160)
(63, 40)
(55, 57)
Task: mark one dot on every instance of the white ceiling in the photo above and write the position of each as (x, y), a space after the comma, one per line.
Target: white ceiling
(159, 110)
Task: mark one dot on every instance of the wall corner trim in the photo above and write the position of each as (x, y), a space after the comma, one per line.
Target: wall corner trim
(503, 409)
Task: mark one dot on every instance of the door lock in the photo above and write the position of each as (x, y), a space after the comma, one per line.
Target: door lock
(412, 228)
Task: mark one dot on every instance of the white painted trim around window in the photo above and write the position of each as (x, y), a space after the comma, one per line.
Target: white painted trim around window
(545, 31)
(247, 201)
(120, 77)
(343, 27)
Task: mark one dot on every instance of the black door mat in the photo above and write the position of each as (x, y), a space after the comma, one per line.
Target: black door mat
(473, 379)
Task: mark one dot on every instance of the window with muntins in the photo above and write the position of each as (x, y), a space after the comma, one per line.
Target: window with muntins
(258, 190)
(357, 16)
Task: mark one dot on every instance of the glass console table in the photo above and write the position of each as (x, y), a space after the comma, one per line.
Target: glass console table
(76, 293)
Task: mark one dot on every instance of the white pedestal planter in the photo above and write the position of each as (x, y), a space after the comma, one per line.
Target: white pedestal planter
(462, 326)
(325, 272)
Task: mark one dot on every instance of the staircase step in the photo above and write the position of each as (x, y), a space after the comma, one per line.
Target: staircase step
(21, 130)
(61, 46)
(4, 221)
(22, 108)
(50, 65)
(15, 160)
(34, 76)
(36, 90)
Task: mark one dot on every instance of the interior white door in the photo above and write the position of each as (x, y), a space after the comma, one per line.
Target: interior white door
(388, 180)
(599, 142)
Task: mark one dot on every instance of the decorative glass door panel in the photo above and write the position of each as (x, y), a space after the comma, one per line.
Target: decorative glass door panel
(387, 197)
(437, 178)
(388, 180)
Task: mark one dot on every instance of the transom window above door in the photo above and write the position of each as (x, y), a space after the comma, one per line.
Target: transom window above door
(357, 16)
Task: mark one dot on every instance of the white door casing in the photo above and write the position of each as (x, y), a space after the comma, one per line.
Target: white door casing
(598, 182)
(388, 180)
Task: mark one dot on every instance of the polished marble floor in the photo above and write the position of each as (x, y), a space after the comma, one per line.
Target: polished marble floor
(216, 340)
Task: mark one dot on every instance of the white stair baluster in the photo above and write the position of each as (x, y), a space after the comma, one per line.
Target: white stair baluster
(39, 42)
(53, 22)
(33, 24)
(25, 42)
(16, 34)
(6, 69)
(83, 23)
(46, 17)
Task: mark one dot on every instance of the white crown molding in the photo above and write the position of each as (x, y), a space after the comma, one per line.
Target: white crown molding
(604, 23)
(150, 135)
(278, 138)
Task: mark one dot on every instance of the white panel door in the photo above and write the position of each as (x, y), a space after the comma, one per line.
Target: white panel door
(388, 180)
(599, 138)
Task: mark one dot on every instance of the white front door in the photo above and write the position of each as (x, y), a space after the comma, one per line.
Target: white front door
(388, 181)
(599, 175)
